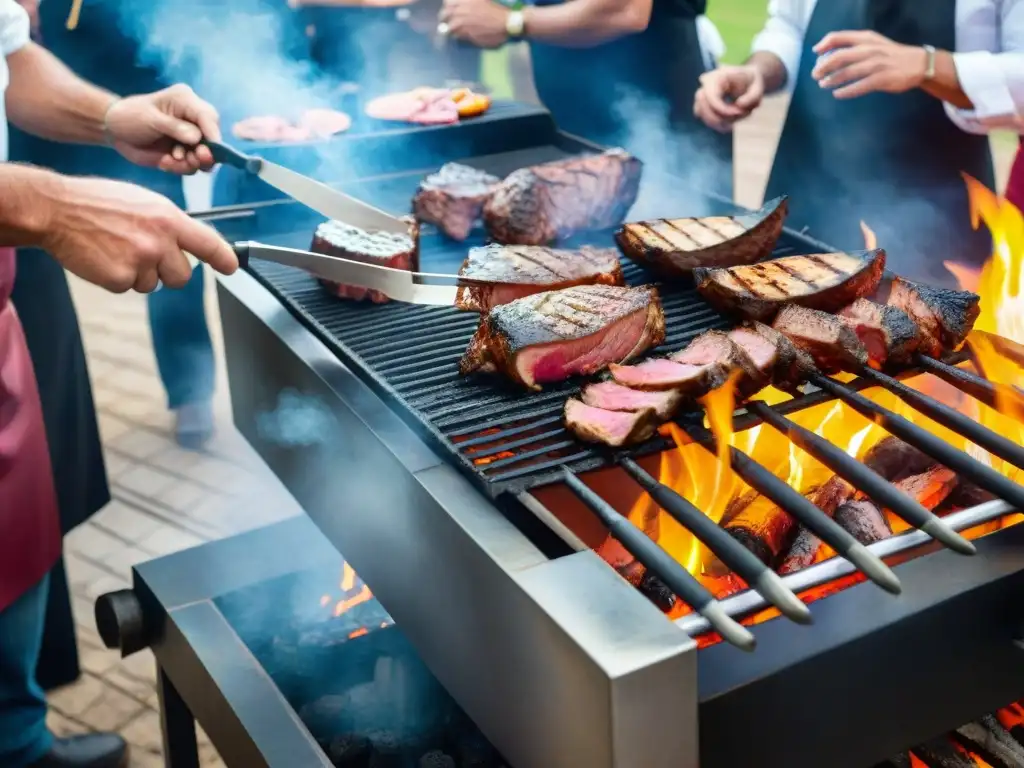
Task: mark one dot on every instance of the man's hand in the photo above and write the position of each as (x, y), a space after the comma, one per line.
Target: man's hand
(162, 129)
(121, 236)
(728, 94)
(479, 22)
(863, 62)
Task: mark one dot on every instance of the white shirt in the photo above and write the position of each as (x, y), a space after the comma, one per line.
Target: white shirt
(14, 35)
(989, 56)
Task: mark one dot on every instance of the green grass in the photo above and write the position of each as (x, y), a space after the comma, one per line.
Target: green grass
(738, 21)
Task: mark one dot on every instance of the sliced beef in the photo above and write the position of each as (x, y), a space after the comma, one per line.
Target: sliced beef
(381, 248)
(829, 341)
(691, 381)
(453, 198)
(887, 332)
(761, 351)
(514, 271)
(792, 364)
(551, 336)
(864, 521)
(944, 316)
(614, 397)
(539, 205)
(613, 428)
(894, 459)
(825, 281)
(716, 347)
(676, 247)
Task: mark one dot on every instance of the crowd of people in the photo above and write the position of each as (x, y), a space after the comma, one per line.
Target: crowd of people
(891, 101)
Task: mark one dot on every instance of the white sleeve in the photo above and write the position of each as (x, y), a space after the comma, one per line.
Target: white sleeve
(993, 79)
(14, 27)
(783, 35)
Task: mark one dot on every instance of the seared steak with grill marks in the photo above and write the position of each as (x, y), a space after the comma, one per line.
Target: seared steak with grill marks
(539, 205)
(691, 381)
(615, 397)
(381, 248)
(614, 428)
(944, 316)
(675, 247)
(888, 333)
(553, 335)
(829, 341)
(717, 347)
(792, 364)
(825, 281)
(515, 271)
(453, 198)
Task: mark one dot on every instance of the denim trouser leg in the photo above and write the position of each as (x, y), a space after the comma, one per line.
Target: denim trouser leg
(181, 340)
(23, 735)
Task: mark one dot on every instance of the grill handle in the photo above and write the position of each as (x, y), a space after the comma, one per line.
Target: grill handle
(241, 250)
(120, 622)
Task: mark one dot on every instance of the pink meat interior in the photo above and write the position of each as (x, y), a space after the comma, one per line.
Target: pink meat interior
(760, 350)
(615, 397)
(657, 372)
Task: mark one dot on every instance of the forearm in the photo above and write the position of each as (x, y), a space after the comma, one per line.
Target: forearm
(28, 198)
(945, 85)
(47, 99)
(772, 69)
(582, 24)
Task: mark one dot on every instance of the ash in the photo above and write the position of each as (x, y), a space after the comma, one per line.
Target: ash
(355, 681)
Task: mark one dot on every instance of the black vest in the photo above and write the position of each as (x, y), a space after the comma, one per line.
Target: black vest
(637, 92)
(893, 160)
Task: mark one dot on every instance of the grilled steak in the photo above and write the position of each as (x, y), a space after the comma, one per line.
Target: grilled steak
(792, 364)
(894, 459)
(615, 397)
(515, 271)
(829, 341)
(761, 352)
(676, 247)
(539, 205)
(716, 347)
(382, 248)
(553, 335)
(825, 281)
(944, 316)
(691, 381)
(453, 198)
(864, 521)
(827, 497)
(614, 428)
(888, 333)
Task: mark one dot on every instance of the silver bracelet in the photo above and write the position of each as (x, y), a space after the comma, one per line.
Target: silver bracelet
(108, 137)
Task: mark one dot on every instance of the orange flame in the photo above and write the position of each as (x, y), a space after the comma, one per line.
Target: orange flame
(870, 240)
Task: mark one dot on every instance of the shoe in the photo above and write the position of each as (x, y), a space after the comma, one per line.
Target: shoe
(90, 750)
(194, 425)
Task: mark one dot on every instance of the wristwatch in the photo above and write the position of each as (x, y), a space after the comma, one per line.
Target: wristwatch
(929, 67)
(515, 24)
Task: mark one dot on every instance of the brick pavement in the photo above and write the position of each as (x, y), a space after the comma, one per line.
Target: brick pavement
(167, 499)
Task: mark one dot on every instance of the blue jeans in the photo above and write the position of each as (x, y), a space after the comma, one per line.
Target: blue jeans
(23, 734)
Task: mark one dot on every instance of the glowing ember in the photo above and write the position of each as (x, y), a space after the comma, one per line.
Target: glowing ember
(354, 593)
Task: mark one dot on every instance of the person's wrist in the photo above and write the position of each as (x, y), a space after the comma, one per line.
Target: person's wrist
(107, 126)
(35, 196)
(515, 24)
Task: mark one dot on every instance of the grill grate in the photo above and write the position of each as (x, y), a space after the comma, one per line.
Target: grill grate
(509, 439)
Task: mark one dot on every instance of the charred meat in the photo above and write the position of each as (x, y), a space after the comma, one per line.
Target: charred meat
(718, 348)
(551, 336)
(887, 332)
(676, 247)
(761, 352)
(826, 338)
(613, 428)
(792, 364)
(539, 205)
(657, 374)
(825, 281)
(864, 521)
(827, 497)
(514, 271)
(381, 248)
(611, 396)
(944, 316)
(453, 198)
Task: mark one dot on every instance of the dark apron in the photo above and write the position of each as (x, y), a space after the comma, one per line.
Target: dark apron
(637, 92)
(892, 160)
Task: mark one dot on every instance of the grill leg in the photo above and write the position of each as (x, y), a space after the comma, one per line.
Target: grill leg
(177, 725)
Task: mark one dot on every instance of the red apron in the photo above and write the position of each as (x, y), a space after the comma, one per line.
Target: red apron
(1015, 187)
(29, 528)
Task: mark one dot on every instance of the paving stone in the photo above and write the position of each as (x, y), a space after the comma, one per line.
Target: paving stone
(140, 758)
(146, 481)
(98, 661)
(183, 495)
(126, 521)
(121, 562)
(141, 666)
(177, 460)
(81, 572)
(104, 585)
(72, 700)
(169, 540)
(93, 541)
(140, 444)
(111, 427)
(60, 725)
(112, 711)
(144, 732)
(116, 464)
